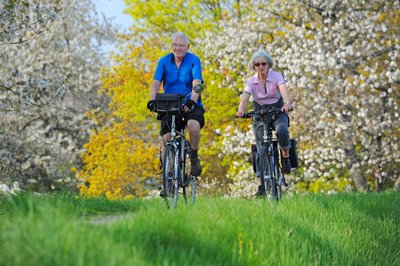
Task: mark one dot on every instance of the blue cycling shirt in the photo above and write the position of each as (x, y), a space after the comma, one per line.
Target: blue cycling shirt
(179, 80)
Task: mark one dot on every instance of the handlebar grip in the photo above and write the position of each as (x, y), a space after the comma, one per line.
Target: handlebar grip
(244, 116)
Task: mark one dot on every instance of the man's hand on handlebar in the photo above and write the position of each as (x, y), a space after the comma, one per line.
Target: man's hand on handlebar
(189, 106)
(151, 105)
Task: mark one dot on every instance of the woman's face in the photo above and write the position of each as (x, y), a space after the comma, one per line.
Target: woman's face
(261, 65)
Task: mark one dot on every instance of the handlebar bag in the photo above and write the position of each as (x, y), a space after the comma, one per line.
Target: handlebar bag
(168, 103)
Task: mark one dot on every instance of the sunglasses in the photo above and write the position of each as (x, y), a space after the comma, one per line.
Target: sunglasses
(258, 64)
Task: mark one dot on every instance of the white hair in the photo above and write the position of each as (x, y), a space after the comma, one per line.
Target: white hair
(260, 54)
(180, 35)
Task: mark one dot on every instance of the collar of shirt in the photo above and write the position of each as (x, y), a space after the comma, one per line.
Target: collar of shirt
(172, 59)
(254, 78)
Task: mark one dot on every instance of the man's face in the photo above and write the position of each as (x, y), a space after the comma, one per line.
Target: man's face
(179, 47)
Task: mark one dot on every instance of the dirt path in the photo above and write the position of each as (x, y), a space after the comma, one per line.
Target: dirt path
(107, 218)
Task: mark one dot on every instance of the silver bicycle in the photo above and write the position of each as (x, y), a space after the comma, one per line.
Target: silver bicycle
(176, 158)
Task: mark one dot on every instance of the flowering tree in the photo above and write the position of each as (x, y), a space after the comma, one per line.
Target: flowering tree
(22, 19)
(341, 62)
(40, 144)
(21, 22)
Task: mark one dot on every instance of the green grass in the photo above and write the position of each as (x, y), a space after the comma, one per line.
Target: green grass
(346, 229)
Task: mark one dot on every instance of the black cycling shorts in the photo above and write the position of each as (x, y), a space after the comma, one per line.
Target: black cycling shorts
(197, 114)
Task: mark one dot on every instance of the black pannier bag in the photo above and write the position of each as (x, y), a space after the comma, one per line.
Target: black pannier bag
(168, 103)
(254, 157)
(294, 160)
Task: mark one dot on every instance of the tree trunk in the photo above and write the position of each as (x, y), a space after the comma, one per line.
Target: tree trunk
(397, 184)
(359, 179)
(380, 184)
(356, 173)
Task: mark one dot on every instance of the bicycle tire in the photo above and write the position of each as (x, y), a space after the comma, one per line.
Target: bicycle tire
(278, 178)
(274, 192)
(193, 186)
(190, 182)
(190, 189)
(265, 170)
(170, 176)
(185, 175)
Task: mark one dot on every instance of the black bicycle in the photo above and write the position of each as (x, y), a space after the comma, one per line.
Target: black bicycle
(175, 162)
(266, 164)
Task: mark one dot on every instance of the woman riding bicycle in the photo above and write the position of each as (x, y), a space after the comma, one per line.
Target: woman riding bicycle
(269, 91)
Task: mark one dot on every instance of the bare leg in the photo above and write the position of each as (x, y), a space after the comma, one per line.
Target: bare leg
(194, 132)
(285, 153)
(193, 127)
(164, 140)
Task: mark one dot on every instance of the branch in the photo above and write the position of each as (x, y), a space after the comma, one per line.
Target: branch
(9, 88)
(318, 9)
(287, 19)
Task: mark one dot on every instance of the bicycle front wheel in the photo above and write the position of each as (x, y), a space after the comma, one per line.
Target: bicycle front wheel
(170, 176)
(265, 171)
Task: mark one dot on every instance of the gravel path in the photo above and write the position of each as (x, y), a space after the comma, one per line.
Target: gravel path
(107, 219)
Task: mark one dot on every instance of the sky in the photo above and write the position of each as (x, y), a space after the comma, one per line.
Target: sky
(113, 9)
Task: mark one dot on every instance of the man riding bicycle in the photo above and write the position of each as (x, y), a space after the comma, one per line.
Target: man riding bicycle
(269, 92)
(179, 72)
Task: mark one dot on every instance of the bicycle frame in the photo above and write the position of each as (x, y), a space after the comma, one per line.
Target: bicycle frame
(268, 174)
(269, 169)
(180, 149)
(176, 150)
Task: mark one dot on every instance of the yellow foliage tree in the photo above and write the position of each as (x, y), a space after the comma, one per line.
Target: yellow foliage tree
(121, 157)
(112, 159)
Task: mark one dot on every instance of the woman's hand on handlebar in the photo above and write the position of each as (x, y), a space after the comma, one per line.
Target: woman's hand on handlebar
(287, 107)
(239, 113)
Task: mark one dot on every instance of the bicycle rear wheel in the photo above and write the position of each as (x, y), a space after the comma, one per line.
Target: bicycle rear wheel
(278, 179)
(170, 176)
(191, 189)
(190, 182)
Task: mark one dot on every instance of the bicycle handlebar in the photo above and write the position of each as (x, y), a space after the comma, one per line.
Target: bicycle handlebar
(261, 112)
